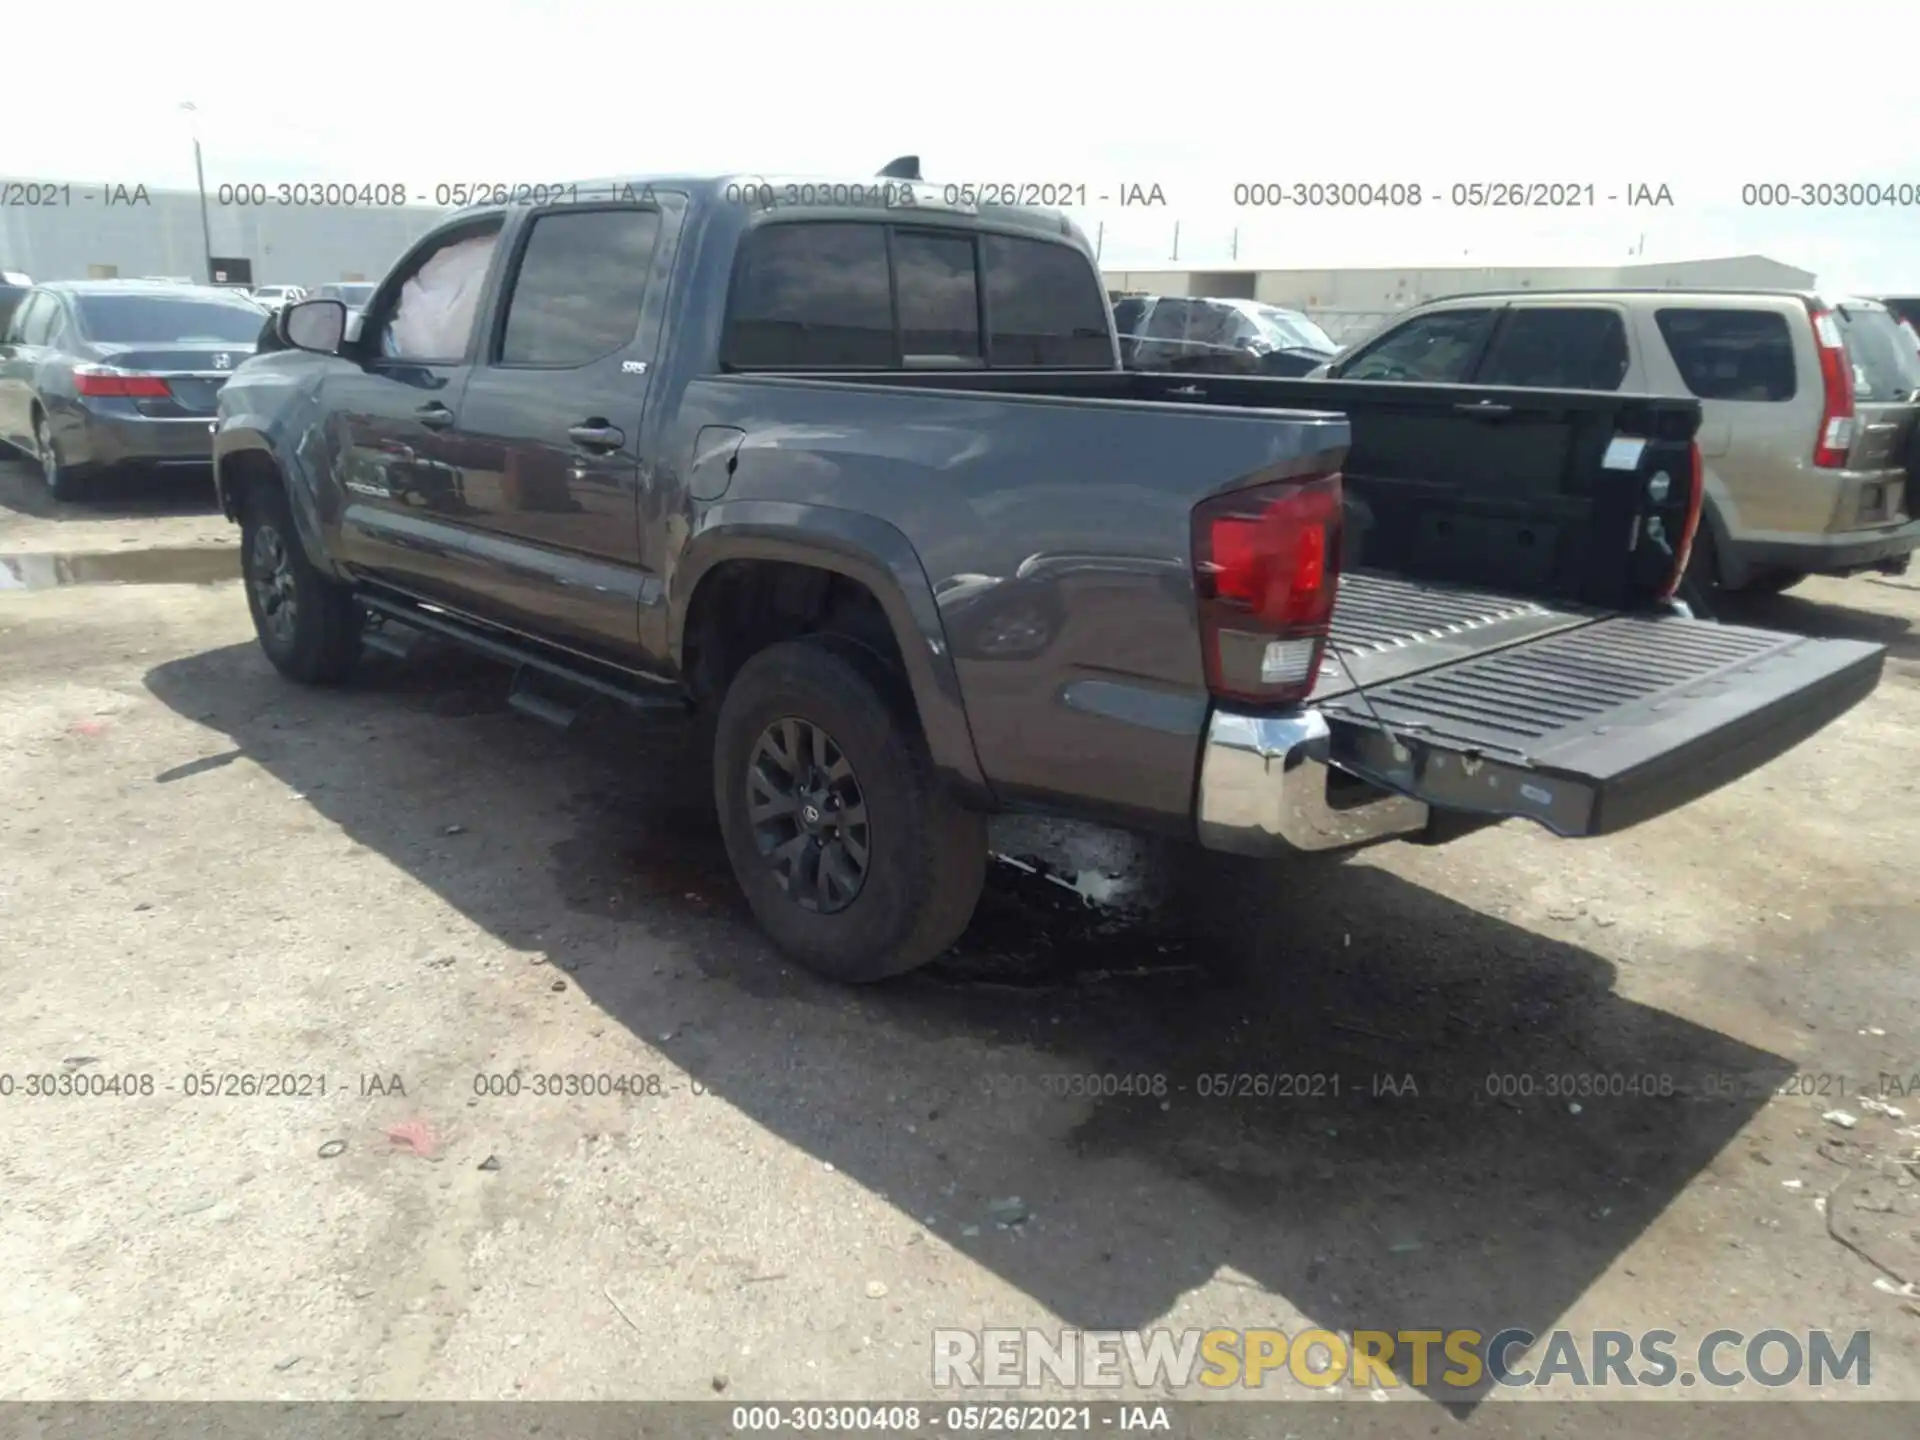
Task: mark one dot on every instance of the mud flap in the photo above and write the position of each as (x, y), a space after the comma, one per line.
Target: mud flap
(1593, 729)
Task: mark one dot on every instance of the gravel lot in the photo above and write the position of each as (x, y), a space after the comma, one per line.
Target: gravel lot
(403, 886)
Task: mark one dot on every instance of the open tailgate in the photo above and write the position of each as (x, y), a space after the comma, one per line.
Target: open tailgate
(1587, 723)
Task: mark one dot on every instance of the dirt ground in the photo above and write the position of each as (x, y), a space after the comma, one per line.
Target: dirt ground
(402, 889)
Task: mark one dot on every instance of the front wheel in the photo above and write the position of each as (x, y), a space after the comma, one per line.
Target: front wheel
(854, 860)
(308, 625)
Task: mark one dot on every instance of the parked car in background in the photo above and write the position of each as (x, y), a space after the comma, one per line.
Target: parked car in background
(1809, 437)
(272, 297)
(1227, 336)
(101, 375)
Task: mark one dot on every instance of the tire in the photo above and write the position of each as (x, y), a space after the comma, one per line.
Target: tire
(926, 856)
(64, 483)
(308, 625)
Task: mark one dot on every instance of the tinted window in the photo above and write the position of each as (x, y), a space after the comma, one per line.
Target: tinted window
(577, 295)
(1730, 354)
(1169, 319)
(166, 320)
(939, 305)
(1435, 349)
(1904, 307)
(1884, 364)
(1045, 307)
(1289, 328)
(1570, 348)
(1127, 315)
(811, 296)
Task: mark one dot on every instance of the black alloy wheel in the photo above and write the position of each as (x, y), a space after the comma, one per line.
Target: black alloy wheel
(809, 816)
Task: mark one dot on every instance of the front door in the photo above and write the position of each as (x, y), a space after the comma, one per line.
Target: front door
(391, 438)
(552, 458)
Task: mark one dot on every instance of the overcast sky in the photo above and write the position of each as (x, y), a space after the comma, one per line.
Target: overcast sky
(1195, 97)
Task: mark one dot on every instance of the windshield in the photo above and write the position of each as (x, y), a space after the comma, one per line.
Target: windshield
(1291, 330)
(167, 320)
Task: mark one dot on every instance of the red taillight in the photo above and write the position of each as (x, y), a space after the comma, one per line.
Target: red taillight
(103, 380)
(1696, 502)
(1836, 375)
(1266, 564)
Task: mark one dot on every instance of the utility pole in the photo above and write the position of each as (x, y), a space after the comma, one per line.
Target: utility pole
(1100, 240)
(200, 178)
(1236, 242)
(1176, 241)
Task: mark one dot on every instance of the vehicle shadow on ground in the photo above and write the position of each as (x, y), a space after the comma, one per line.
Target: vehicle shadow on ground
(1803, 615)
(1443, 1195)
(134, 496)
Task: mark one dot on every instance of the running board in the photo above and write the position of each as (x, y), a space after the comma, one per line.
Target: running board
(1590, 730)
(533, 667)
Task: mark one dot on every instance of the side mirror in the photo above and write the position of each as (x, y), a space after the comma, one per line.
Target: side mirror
(316, 325)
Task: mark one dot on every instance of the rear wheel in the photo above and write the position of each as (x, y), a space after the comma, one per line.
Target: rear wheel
(854, 860)
(308, 625)
(64, 482)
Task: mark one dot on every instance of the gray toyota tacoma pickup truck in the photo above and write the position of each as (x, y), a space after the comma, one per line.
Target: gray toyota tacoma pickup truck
(856, 473)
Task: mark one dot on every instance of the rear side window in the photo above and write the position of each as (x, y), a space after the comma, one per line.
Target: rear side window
(582, 278)
(812, 297)
(1558, 348)
(1045, 307)
(939, 304)
(1432, 349)
(1884, 364)
(1730, 354)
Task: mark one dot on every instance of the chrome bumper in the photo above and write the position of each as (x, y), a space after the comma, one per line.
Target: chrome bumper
(1263, 790)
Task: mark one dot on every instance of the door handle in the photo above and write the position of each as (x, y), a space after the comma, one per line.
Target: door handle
(1484, 410)
(597, 436)
(434, 416)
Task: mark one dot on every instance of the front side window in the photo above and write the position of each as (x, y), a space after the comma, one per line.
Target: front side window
(1435, 349)
(433, 316)
(582, 278)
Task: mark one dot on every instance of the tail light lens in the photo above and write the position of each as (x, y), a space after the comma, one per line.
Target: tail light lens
(1266, 569)
(105, 380)
(1696, 502)
(1836, 375)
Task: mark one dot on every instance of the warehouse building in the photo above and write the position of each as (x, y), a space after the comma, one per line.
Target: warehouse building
(1349, 304)
(92, 231)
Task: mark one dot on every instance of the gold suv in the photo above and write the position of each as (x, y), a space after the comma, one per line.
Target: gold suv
(1808, 433)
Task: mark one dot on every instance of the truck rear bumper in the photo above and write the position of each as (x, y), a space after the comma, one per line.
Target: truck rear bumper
(1264, 790)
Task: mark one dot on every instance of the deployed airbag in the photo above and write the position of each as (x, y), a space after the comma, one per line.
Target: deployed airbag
(438, 302)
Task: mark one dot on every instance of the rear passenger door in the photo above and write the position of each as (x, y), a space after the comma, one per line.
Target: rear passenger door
(554, 462)
(1553, 346)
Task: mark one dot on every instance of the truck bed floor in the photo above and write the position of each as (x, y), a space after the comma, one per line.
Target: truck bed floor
(1386, 628)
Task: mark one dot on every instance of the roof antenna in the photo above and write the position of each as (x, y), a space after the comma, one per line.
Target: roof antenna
(907, 167)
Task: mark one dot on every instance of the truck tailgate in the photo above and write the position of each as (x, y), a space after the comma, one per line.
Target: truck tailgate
(1584, 722)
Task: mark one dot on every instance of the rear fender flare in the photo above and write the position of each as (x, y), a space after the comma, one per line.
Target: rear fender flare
(862, 548)
(240, 436)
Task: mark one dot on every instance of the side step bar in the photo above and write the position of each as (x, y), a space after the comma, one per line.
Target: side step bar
(1590, 730)
(542, 679)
